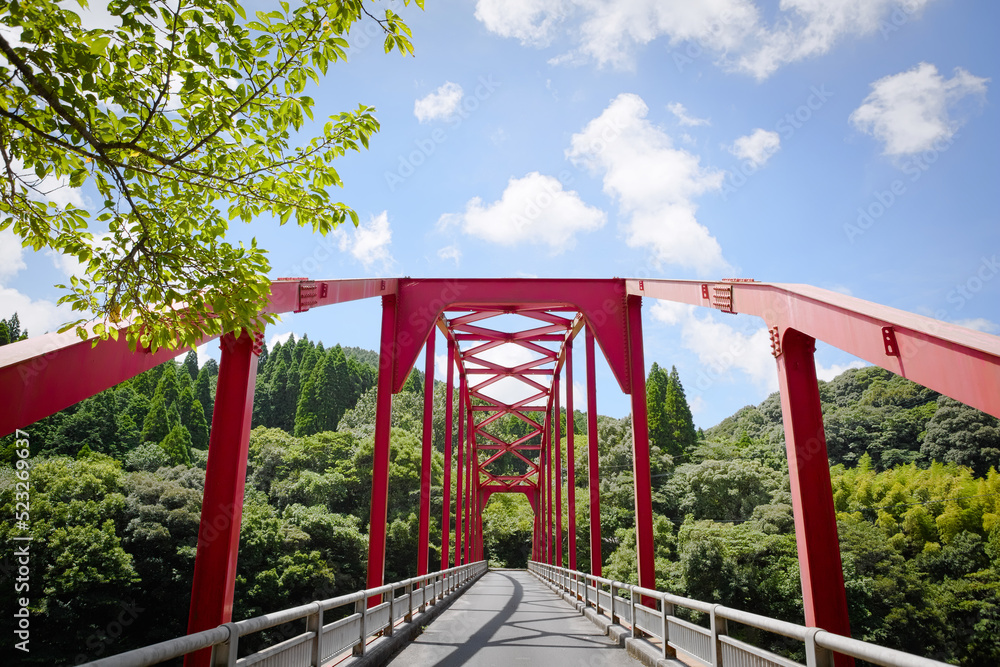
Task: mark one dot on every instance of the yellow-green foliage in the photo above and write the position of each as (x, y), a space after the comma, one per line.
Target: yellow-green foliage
(926, 505)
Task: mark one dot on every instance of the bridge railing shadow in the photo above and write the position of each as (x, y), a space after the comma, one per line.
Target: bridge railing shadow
(653, 614)
(321, 641)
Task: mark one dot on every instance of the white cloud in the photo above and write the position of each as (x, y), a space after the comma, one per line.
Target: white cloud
(827, 373)
(911, 111)
(677, 109)
(279, 338)
(757, 147)
(11, 255)
(369, 241)
(439, 105)
(49, 189)
(979, 324)
(809, 28)
(534, 208)
(654, 182)
(37, 317)
(452, 252)
(720, 347)
(734, 31)
(203, 354)
(530, 21)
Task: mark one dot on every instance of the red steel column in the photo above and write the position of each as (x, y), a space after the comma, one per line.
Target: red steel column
(547, 518)
(820, 566)
(558, 472)
(222, 503)
(424, 527)
(380, 466)
(470, 437)
(570, 460)
(446, 491)
(541, 498)
(593, 460)
(534, 537)
(459, 489)
(640, 449)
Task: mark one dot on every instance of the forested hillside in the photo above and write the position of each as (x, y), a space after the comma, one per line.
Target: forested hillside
(116, 485)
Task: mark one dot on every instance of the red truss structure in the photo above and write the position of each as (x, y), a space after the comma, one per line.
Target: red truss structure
(511, 343)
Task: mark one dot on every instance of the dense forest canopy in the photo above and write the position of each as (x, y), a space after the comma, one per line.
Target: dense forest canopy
(117, 481)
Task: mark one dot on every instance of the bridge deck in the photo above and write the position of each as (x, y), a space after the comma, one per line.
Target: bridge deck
(509, 617)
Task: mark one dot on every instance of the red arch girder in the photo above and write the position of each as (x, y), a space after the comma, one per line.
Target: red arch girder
(496, 378)
(503, 443)
(528, 367)
(520, 378)
(501, 412)
(482, 333)
(505, 449)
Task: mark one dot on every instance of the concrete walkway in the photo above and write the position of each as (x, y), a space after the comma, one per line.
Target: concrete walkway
(509, 617)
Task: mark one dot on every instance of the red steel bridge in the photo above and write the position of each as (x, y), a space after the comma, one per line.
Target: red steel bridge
(542, 317)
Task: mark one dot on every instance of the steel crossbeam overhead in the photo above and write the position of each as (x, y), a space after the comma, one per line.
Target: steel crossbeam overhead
(494, 360)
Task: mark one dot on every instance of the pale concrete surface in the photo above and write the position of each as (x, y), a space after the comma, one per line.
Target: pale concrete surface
(507, 618)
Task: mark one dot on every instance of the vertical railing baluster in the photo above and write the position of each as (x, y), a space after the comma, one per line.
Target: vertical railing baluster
(361, 606)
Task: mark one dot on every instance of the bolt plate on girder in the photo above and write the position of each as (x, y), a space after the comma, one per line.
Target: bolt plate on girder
(722, 298)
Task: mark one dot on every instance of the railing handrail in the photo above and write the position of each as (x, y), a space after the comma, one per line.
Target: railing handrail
(225, 633)
(817, 640)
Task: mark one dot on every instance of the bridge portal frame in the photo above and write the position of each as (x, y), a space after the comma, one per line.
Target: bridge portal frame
(43, 375)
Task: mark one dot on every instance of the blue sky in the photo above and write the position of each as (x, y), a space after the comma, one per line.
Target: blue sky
(849, 144)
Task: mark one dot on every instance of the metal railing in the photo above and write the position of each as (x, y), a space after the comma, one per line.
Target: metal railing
(321, 641)
(711, 646)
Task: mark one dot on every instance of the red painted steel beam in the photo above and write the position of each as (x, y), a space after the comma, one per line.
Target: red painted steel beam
(297, 295)
(446, 491)
(950, 359)
(558, 469)
(45, 374)
(460, 471)
(225, 477)
(470, 452)
(593, 460)
(820, 567)
(640, 451)
(570, 457)
(424, 525)
(380, 469)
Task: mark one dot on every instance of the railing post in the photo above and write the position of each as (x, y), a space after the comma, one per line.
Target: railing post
(817, 656)
(361, 606)
(631, 599)
(719, 627)
(314, 623)
(224, 655)
(666, 609)
(409, 602)
(612, 605)
(392, 613)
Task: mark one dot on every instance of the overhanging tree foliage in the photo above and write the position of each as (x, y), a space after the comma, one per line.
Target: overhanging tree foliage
(182, 115)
